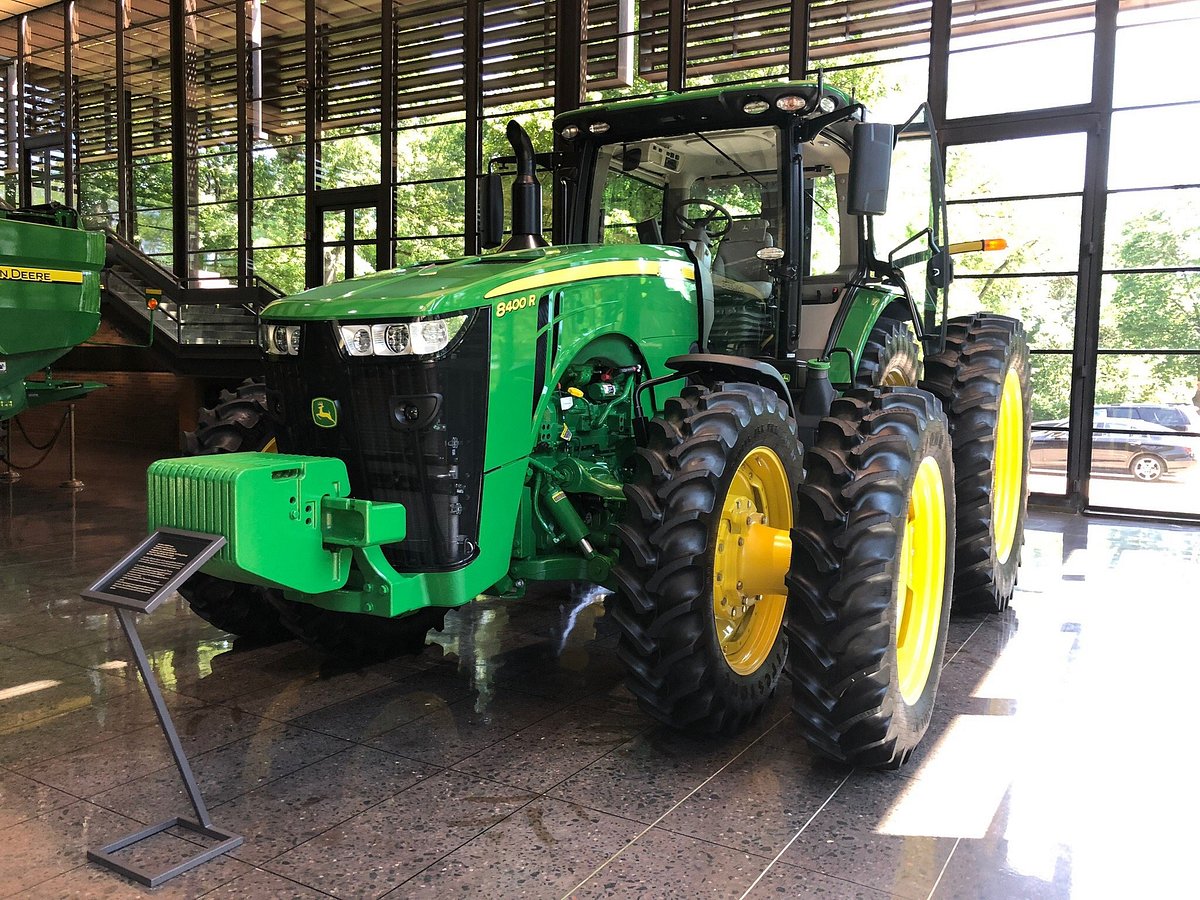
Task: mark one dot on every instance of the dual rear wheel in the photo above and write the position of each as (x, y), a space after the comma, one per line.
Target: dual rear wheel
(708, 544)
(911, 497)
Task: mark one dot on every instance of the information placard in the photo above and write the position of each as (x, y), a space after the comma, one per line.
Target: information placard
(154, 569)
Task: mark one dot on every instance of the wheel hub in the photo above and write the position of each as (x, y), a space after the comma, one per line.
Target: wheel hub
(751, 557)
(920, 580)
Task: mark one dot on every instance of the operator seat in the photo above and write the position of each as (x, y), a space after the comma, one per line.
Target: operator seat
(737, 266)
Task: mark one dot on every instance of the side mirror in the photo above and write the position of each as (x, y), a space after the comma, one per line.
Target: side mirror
(870, 168)
(940, 269)
(491, 212)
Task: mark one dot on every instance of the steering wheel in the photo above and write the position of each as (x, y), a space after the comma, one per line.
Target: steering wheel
(715, 223)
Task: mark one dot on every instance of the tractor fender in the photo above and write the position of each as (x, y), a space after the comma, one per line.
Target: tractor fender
(863, 309)
(708, 368)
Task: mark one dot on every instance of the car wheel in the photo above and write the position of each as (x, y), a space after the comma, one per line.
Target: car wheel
(1147, 467)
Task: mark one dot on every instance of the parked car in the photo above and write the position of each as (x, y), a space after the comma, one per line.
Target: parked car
(1175, 416)
(1146, 450)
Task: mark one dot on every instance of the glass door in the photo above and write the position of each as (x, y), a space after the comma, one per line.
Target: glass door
(347, 230)
(45, 172)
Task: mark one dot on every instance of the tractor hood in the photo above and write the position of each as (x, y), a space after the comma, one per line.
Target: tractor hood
(460, 284)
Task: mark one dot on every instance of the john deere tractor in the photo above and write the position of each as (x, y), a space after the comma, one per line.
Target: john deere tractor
(715, 398)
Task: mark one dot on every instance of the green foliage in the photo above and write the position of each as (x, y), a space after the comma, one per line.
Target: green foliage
(1157, 310)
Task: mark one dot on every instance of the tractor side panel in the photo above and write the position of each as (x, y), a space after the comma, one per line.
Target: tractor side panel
(535, 341)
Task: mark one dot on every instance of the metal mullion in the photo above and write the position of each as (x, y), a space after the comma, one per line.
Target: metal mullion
(473, 125)
(570, 84)
(1020, 124)
(979, 276)
(1162, 187)
(939, 62)
(245, 173)
(180, 246)
(801, 29)
(385, 234)
(676, 45)
(313, 275)
(24, 188)
(1091, 259)
(70, 126)
(1153, 270)
(975, 201)
(1168, 105)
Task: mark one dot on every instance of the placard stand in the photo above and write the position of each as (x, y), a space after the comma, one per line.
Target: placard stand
(138, 584)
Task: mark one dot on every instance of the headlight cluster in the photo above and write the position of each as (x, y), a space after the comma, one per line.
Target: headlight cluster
(280, 340)
(400, 338)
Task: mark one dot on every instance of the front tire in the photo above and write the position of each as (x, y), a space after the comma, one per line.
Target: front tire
(872, 568)
(357, 637)
(238, 423)
(982, 379)
(1147, 467)
(700, 598)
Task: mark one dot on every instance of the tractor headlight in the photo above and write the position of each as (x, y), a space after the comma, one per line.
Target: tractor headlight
(420, 338)
(357, 339)
(390, 340)
(280, 340)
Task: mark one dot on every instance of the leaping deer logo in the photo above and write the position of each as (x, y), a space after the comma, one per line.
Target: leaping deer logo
(324, 412)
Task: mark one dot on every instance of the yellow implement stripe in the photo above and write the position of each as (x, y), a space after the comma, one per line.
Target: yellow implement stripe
(651, 267)
(20, 273)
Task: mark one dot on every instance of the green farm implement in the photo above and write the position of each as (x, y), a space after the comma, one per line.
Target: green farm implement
(715, 397)
(49, 302)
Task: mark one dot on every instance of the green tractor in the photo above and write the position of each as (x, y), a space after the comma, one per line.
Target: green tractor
(713, 397)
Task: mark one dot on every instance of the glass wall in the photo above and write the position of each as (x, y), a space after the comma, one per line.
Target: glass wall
(235, 140)
(1146, 412)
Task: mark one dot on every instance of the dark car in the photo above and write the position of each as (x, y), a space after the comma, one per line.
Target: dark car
(1145, 450)
(1175, 416)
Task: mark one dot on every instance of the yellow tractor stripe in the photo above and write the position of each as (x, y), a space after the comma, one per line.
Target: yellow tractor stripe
(22, 273)
(646, 267)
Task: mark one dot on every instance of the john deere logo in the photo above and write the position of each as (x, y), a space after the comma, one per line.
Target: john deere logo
(324, 412)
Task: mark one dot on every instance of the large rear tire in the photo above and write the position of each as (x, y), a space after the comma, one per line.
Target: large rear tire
(870, 585)
(700, 597)
(891, 356)
(239, 422)
(982, 379)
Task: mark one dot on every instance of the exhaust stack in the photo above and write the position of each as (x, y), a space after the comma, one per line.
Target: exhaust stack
(526, 194)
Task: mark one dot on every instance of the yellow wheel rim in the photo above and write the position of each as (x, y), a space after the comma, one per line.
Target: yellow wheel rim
(270, 447)
(921, 580)
(751, 558)
(1009, 465)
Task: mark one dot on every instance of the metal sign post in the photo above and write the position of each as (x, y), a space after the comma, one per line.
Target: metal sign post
(138, 584)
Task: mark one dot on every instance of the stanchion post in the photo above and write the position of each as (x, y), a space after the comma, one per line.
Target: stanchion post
(9, 475)
(72, 481)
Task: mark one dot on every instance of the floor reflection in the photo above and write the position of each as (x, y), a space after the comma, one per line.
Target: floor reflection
(508, 759)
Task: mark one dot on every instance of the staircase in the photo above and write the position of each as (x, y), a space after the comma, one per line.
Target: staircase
(191, 330)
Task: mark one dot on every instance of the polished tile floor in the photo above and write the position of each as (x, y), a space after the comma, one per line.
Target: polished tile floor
(508, 760)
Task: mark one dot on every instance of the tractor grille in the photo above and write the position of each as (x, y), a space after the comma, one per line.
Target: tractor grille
(410, 430)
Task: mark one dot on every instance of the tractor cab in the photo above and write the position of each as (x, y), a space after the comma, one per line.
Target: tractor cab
(774, 191)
